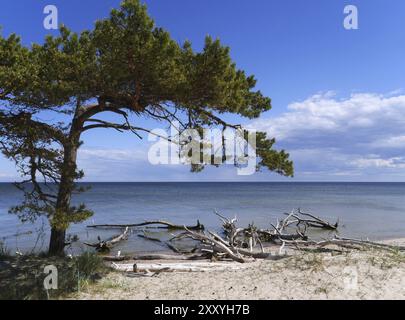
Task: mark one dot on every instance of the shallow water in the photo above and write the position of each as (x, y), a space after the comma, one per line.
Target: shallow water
(373, 210)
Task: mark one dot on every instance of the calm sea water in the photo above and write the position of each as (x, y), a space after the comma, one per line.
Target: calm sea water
(373, 210)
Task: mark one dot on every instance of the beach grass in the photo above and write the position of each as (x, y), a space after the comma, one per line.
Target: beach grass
(22, 277)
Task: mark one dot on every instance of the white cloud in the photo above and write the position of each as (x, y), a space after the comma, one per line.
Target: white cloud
(396, 162)
(389, 142)
(359, 135)
(323, 113)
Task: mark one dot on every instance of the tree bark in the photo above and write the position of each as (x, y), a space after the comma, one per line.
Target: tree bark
(57, 241)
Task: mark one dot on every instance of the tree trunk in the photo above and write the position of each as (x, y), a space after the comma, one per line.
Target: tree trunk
(58, 231)
(57, 242)
(66, 187)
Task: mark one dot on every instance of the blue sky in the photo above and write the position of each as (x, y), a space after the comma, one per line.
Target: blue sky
(338, 99)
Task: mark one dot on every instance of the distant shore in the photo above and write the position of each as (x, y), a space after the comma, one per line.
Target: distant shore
(371, 274)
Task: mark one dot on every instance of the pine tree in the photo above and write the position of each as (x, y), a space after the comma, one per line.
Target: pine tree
(126, 66)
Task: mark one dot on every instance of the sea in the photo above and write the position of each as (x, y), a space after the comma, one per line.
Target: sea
(374, 211)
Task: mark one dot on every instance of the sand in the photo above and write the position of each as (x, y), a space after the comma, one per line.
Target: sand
(371, 274)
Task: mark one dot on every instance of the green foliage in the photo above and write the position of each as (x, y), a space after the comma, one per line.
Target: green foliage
(277, 161)
(61, 221)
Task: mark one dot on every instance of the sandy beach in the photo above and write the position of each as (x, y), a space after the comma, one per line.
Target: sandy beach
(371, 274)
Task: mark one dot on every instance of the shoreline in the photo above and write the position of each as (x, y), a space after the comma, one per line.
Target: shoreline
(369, 274)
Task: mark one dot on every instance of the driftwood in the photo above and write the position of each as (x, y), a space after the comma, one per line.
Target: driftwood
(368, 243)
(240, 244)
(168, 257)
(164, 243)
(314, 222)
(155, 256)
(106, 245)
(161, 225)
(177, 267)
(218, 243)
(346, 243)
(116, 258)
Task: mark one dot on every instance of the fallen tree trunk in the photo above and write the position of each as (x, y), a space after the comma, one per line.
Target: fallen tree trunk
(371, 243)
(178, 267)
(155, 256)
(346, 243)
(169, 257)
(243, 252)
(163, 225)
(116, 258)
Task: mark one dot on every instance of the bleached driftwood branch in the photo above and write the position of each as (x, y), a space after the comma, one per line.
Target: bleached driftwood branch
(106, 245)
(313, 221)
